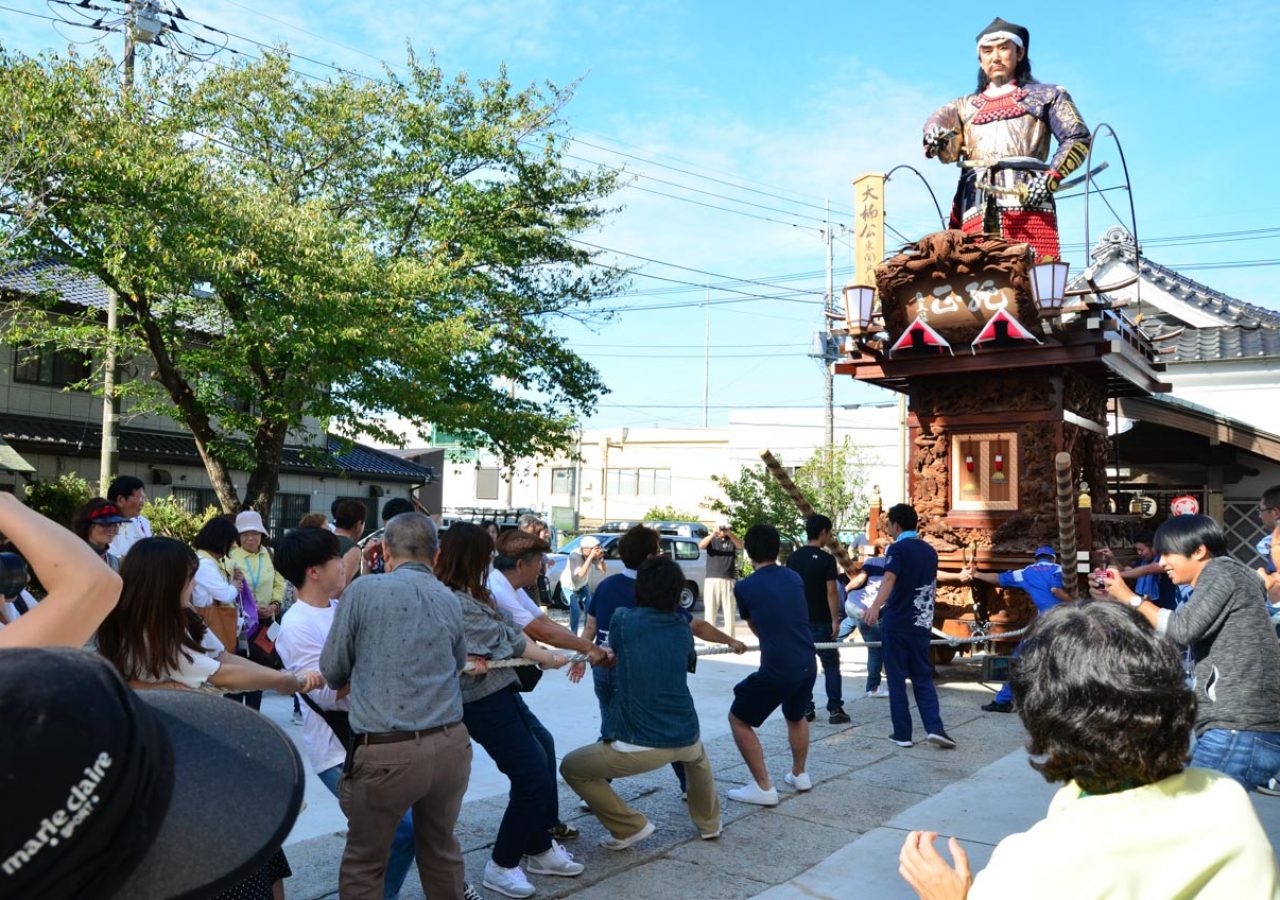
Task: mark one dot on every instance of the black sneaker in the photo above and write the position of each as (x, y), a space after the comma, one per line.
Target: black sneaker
(810, 714)
(839, 717)
(942, 740)
(1000, 706)
(563, 831)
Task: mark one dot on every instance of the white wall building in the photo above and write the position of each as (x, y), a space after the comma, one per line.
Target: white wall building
(621, 473)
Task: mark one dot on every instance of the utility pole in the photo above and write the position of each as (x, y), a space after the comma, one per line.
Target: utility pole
(706, 353)
(828, 376)
(109, 456)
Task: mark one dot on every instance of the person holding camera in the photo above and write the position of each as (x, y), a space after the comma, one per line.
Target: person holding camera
(575, 580)
(722, 547)
(79, 590)
(1232, 644)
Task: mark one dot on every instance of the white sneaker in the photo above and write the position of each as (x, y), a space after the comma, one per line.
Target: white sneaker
(712, 835)
(612, 843)
(584, 806)
(1270, 789)
(753, 793)
(555, 861)
(508, 882)
(880, 693)
(801, 782)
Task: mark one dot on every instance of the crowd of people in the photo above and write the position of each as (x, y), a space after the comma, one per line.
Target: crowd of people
(412, 649)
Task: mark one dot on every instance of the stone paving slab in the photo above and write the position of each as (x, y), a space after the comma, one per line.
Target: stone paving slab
(861, 782)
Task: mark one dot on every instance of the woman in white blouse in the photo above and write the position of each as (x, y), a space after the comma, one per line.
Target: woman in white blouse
(153, 635)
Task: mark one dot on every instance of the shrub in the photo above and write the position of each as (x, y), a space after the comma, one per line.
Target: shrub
(169, 518)
(59, 499)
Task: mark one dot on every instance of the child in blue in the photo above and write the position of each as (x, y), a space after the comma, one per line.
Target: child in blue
(863, 588)
(903, 609)
(1042, 580)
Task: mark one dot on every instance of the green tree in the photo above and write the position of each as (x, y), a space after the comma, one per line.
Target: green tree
(169, 518)
(755, 497)
(833, 480)
(669, 514)
(289, 252)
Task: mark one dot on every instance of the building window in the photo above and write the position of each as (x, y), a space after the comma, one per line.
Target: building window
(286, 511)
(639, 482)
(49, 367)
(562, 481)
(984, 471)
(487, 483)
(196, 500)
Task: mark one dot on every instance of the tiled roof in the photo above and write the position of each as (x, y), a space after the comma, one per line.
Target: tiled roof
(1117, 243)
(45, 275)
(339, 457)
(1225, 344)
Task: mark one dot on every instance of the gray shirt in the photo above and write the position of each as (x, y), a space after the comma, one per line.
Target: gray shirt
(398, 639)
(1233, 643)
(490, 633)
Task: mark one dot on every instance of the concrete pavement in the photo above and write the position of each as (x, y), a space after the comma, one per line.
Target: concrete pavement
(839, 840)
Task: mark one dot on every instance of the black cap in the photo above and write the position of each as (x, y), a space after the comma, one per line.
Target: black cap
(111, 793)
(1000, 26)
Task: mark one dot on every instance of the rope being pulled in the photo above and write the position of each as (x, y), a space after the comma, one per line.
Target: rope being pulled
(945, 640)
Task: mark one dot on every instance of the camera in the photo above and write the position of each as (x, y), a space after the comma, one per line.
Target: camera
(13, 575)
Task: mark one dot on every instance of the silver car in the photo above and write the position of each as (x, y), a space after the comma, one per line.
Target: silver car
(684, 550)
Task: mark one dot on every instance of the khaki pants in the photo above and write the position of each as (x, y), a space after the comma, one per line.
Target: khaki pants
(429, 775)
(719, 595)
(587, 768)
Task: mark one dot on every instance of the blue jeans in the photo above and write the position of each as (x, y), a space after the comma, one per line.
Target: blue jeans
(906, 655)
(1250, 757)
(577, 605)
(830, 660)
(401, 844)
(875, 655)
(523, 751)
(606, 683)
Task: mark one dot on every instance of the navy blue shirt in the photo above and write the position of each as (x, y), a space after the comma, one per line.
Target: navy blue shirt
(915, 564)
(815, 567)
(614, 593)
(772, 600)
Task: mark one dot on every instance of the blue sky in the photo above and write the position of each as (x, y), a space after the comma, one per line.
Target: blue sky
(781, 105)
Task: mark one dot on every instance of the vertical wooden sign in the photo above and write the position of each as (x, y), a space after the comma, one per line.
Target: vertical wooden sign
(868, 232)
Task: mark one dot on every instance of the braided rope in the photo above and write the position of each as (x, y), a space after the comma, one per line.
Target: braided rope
(945, 640)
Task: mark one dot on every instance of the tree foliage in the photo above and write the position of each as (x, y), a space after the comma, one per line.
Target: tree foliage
(832, 479)
(669, 514)
(169, 518)
(60, 498)
(289, 253)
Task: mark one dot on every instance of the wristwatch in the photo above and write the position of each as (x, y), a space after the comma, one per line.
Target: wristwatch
(1137, 600)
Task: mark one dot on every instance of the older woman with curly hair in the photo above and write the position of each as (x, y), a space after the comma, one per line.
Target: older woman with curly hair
(1105, 701)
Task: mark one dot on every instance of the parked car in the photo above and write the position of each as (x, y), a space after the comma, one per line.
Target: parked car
(684, 550)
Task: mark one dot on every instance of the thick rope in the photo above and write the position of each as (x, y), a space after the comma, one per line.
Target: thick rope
(945, 640)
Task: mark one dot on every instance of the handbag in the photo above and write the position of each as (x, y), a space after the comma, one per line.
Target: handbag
(262, 647)
(338, 720)
(223, 621)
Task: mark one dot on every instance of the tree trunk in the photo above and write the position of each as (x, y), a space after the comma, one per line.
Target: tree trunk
(264, 480)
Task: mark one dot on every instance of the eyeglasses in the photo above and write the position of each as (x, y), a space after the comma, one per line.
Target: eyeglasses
(1262, 509)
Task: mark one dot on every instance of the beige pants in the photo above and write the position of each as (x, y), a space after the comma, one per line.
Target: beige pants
(428, 774)
(587, 768)
(719, 595)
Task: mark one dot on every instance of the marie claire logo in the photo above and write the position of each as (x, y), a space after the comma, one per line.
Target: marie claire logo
(62, 823)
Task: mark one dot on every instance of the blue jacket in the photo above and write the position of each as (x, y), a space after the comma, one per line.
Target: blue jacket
(651, 705)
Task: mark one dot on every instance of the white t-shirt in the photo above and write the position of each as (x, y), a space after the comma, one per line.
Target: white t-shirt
(130, 533)
(303, 631)
(194, 669)
(515, 602)
(11, 611)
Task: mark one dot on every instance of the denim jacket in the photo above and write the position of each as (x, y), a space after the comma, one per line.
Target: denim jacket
(651, 705)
